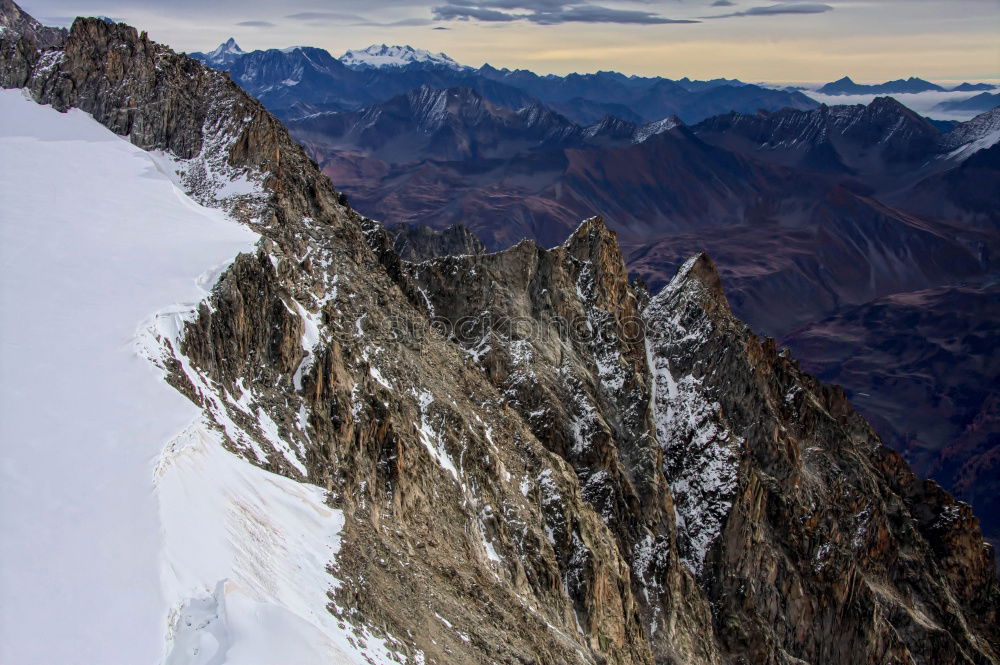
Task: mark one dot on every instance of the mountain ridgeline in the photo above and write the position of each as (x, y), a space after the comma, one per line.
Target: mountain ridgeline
(794, 184)
(654, 484)
(911, 85)
(302, 80)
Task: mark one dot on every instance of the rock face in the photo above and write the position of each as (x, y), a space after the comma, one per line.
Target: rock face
(880, 351)
(785, 502)
(14, 19)
(537, 462)
(419, 243)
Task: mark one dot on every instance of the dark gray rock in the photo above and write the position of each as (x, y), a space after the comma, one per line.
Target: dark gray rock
(419, 243)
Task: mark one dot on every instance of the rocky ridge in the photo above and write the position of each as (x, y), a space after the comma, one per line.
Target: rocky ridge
(537, 462)
(878, 352)
(419, 243)
(18, 22)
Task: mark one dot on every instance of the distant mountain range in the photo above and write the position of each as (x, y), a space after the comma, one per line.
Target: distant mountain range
(299, 81)
(302, 80)
(459, 124)
(846, 86)
(972, 87)
(441, 157)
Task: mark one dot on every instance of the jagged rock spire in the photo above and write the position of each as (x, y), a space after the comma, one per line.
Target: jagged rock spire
(698, 277)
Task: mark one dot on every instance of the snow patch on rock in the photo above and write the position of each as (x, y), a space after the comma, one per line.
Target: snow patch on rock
(701, 455)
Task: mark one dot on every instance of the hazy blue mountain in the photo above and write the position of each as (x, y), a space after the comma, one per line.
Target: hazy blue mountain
(984, 101)
(647, 98)
(846, 86)
(972, 87)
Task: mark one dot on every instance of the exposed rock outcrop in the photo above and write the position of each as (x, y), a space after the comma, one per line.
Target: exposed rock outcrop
(18, 22)
(789, 511)
(419, 243)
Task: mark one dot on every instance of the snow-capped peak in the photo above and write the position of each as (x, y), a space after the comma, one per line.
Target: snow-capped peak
(380, 55)
(227, 52)
(229, 47)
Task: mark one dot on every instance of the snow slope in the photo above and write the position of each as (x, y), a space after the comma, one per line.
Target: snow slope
(245, 559)
(93, 238)
(970, 137)
(130, 535)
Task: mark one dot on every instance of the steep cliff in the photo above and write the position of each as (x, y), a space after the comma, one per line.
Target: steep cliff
(536, 462)
(713, 457)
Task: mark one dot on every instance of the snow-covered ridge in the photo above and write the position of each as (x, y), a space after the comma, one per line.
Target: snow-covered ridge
(94, 237)
(977, 134)
(134, 522)
(656, 127)
(380, 55)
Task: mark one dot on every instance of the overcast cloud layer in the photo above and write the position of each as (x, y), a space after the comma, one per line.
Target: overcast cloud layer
(757, 40)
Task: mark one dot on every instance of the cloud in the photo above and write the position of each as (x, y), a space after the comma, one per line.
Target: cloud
(546, 12)
(453, 13)
(256, 24)
(771, 10)
(402, 22)
(723, 3)
(325, 17)
(596, 14)
(354, 19)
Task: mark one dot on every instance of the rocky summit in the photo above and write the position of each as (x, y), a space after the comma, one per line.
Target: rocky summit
(537, 461)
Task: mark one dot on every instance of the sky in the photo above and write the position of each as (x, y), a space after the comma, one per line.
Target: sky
(754, 40)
